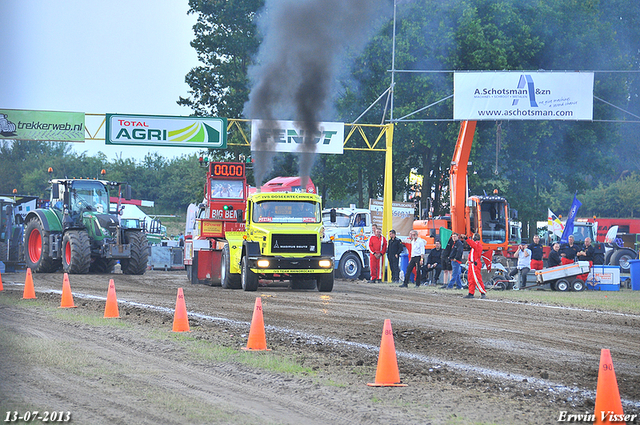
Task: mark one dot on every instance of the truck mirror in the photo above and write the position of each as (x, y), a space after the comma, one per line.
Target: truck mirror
(127, 192)
(333, 215)
(239, 216)
(55, 191)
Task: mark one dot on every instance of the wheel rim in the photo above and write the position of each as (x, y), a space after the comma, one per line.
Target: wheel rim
(577, 286)
(624, 261)
(350, 267)
(35, 246)
(562, 285)
(67, 253)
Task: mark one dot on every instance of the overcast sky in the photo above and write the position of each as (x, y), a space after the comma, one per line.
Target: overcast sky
(97, 57)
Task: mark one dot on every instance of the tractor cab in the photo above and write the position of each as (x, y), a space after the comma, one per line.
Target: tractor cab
(489, 216)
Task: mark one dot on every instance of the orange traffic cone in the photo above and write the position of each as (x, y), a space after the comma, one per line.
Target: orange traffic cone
(29, 292)
(111, 308)
(387, 374)
(1, 288)
(257, 340)
(67, 297)
(180, 320)
(607, 394)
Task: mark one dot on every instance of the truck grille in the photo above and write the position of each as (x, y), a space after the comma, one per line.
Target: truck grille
(303, 244)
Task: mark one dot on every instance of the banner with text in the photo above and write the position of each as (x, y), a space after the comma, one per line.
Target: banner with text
(48, 126)
(402, 221)
(288, 136)
(523, 95)
(154, 130)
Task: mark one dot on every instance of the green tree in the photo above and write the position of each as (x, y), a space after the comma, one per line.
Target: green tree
(226, 42)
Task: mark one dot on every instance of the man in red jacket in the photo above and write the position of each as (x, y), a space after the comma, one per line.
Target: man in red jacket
(475, 267)
(377, 249)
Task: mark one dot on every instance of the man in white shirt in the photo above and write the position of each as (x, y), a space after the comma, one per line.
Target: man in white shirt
(417, 252)
(523, 254)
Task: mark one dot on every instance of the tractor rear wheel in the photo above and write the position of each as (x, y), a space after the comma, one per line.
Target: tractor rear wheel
(36, 242)
(621, 258)
(76, 252)
(137, 263)
(4, 251)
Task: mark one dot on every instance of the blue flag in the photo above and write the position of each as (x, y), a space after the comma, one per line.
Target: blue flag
(568, 228)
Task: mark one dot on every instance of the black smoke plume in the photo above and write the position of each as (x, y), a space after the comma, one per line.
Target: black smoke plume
(297, 67)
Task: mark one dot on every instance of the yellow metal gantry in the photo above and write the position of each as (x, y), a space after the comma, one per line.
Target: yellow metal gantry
(358, 138)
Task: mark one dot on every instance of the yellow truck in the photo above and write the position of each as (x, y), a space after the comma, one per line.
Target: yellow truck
(282, 240)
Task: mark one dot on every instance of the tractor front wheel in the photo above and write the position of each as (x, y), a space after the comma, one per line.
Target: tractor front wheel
(76, 252)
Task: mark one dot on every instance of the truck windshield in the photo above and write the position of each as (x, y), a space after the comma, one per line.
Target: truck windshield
(342, 220)
(89, 195)
(286, 212)
(226, 189)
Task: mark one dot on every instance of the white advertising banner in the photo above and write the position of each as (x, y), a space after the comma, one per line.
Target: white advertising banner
(288, 136)
(523, 95)
(156, 130)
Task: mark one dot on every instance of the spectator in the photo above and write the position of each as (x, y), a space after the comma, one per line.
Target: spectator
(455, 257)
(536, 253)
(554, 256)
(586, 254)
(446, 263)
(377, 249)
(569, 251)
(434, 264)
(523, 254)
(394, 250)
(417, 251)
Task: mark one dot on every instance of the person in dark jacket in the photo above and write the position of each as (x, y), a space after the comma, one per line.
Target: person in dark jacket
(554, 256)
(434, 260)
(394, 249)
(569, 250)
(587, 252)
(536, 253)
(456, 260)
(445, 263)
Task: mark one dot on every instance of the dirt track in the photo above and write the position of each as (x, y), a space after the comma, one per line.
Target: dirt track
(465, 361)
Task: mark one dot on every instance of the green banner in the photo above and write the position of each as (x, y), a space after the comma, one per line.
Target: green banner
(42, 125)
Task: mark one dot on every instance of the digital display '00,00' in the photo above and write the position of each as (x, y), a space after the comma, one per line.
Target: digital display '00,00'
(228, 170)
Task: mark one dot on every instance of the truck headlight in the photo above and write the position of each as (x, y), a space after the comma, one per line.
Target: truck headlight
(263, 263)
(324, 263)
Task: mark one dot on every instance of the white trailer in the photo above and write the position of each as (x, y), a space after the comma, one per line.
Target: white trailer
(350, 234)
(564, 277)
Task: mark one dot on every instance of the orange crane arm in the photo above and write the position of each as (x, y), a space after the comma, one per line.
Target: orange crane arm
(458, 176)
